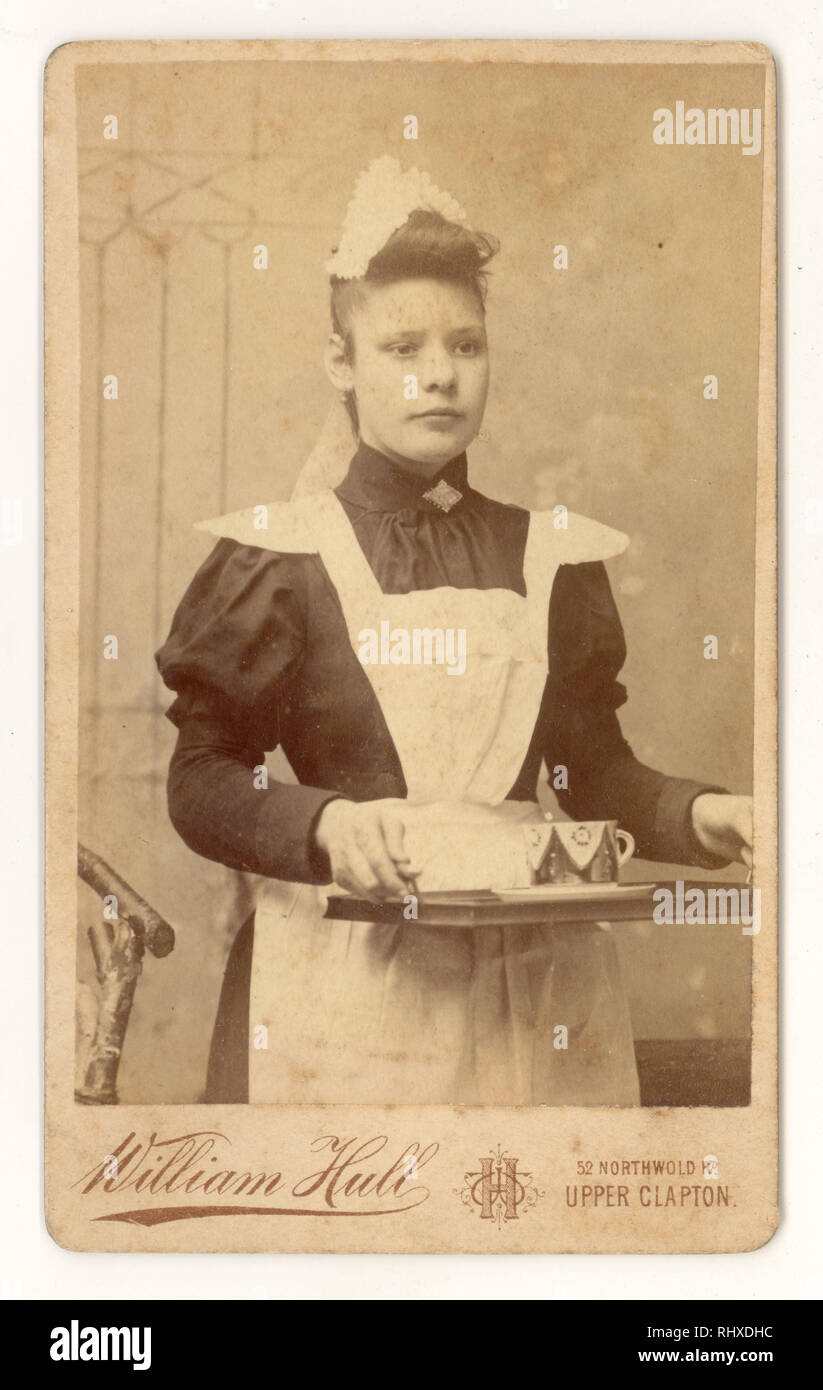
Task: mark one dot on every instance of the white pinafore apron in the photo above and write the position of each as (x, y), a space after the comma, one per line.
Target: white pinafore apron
(408, 1014)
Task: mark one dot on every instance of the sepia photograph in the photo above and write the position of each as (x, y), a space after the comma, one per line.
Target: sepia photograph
(423, 485)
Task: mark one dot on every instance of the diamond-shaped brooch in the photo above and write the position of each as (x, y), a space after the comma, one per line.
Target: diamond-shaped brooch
(443, 495)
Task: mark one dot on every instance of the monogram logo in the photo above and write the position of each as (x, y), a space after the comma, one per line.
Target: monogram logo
(499, 1189)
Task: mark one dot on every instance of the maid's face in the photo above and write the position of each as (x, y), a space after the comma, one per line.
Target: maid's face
(419, 370)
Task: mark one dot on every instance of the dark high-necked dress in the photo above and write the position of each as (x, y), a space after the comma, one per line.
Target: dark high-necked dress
(262, 654)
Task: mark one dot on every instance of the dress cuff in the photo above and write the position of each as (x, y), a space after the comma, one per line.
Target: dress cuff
(285, 843)
(674, 831)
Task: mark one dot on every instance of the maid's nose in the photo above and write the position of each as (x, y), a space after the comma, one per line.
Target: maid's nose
(438, 372)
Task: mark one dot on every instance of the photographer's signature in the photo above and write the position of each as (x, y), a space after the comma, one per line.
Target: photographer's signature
(353, 1178)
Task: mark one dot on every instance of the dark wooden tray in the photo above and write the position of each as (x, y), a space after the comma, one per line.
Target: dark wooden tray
(625, 902)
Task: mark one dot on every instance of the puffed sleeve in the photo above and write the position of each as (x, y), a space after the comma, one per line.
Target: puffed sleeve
(236, 639)
(606, 781)
(237, 632)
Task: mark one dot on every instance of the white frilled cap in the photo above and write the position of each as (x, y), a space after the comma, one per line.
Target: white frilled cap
(384, 196)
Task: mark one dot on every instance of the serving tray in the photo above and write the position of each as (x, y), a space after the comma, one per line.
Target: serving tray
(549, 904)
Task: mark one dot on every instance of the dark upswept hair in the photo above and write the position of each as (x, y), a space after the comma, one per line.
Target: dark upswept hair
(427, 247)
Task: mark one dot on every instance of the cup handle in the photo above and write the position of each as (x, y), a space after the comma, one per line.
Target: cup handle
(625, 855)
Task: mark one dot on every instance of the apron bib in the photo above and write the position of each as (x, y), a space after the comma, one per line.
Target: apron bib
(356, 1013)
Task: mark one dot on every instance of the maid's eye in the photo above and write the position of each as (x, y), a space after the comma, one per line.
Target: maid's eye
(402, 349)
(468, 348)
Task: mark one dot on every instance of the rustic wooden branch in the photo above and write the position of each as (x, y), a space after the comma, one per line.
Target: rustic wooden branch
(152, 929)
(118, 951)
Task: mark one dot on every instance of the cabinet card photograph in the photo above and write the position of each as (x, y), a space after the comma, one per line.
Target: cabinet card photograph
(411, 646)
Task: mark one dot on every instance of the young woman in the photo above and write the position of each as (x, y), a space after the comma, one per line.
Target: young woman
(412, 771)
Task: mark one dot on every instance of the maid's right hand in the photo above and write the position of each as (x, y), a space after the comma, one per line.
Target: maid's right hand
(364, 842)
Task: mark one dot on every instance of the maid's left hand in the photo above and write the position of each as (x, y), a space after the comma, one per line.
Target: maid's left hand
(723, 825)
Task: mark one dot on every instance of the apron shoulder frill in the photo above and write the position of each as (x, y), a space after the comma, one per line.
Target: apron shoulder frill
(290, 528)
(296, 527)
